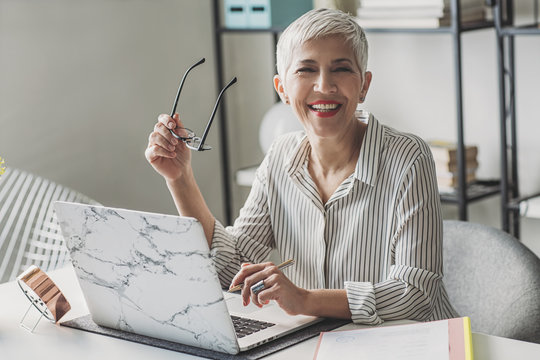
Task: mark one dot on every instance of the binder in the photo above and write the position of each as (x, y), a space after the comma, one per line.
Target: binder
(236, 14)
(259, 14)
(263, 14)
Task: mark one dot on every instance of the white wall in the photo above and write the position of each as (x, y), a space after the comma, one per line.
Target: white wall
(81, 83)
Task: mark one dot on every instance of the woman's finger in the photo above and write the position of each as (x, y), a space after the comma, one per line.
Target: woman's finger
(170, 122)
(246, 276)
(261, 290)
(162, 139)
(167, 121)
(245, 271)
(169, 127)
(154, 152)
(176, 118)
(166, 134)
(254, 279)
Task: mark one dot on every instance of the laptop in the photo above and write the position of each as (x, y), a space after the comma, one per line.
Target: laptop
(153, 275)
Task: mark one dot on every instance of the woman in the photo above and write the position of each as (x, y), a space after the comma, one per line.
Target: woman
(355, 204)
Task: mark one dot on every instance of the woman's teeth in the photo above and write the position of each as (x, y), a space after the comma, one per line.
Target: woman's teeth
(324, 107)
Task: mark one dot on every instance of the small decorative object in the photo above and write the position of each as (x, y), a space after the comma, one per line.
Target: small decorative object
(43, 295)
(278, 120)
(2, 168)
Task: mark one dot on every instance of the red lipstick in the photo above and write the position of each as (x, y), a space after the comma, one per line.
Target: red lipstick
(324, 111)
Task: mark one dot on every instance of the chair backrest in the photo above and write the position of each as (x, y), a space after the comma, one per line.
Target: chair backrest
(492, 278)
(29, 231)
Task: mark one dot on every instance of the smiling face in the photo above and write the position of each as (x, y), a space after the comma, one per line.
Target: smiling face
(324, 84)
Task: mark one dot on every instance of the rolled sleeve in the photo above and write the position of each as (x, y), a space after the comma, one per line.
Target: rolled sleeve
(362, 302)
(412, 286)
(225, 254)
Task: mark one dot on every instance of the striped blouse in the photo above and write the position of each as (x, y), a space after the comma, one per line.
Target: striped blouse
(379, 236)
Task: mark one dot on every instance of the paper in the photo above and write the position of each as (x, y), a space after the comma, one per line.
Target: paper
(417, 341)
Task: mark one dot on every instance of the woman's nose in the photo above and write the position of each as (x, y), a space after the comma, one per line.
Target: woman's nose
(325, 83)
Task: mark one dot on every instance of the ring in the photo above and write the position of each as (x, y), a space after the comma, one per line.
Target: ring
(257, 287)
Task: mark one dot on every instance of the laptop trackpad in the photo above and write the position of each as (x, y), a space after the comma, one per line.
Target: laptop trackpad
(235, 306)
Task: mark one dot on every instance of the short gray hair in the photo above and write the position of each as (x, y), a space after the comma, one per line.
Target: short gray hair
(317, 24)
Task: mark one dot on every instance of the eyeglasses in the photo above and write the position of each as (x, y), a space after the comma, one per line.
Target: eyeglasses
(191, 140)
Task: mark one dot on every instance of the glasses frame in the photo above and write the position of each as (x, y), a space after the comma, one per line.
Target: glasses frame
(191, 140)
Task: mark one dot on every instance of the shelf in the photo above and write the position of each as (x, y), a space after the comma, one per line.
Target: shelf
(514, 204)
(528, 206)
(533, 29)
(475, 191)
(222, 30)
(469, 26)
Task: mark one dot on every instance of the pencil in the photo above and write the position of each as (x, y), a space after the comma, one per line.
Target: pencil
(281, 266)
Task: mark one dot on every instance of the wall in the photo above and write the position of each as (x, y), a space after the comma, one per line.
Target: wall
(82, 83)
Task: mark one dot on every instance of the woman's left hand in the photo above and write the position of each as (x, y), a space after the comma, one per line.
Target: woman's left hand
(277, 287)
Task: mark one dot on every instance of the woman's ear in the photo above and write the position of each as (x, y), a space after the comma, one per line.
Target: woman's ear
(365, 87)
(278, 85)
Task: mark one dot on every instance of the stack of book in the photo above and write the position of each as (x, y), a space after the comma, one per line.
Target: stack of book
(417, 13)
(446, 164)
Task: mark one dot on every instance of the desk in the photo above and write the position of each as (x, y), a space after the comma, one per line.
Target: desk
(51, 341)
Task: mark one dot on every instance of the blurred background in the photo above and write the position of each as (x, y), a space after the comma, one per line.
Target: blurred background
(82, 84)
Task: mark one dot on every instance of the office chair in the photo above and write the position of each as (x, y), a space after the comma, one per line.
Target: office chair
(492, 278)
(29, 231)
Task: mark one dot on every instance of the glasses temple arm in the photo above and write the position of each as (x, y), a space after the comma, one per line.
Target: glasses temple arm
(203, 138)
(182, 84)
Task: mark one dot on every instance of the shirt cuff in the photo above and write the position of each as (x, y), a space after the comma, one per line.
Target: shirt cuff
(362, 303)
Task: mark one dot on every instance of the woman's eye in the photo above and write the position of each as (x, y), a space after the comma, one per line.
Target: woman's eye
(304, 70)
(343, 69)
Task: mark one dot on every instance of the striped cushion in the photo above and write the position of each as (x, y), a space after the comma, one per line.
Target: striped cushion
(29, 231)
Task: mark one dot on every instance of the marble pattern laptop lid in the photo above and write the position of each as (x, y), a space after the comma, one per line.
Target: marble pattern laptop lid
(149, 274)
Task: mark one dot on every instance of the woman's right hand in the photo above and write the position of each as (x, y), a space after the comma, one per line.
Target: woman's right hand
(169, 156)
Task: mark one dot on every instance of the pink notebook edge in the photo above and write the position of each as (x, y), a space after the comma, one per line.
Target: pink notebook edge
(460, 339)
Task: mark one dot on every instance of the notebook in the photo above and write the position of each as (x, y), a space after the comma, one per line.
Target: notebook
(152, 274)
(443, 339)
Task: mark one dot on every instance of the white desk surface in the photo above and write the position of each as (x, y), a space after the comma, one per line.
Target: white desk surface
(50, 341)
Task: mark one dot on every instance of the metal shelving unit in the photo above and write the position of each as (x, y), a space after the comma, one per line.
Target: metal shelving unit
(465, 194)
(506, 33)
(219, 31)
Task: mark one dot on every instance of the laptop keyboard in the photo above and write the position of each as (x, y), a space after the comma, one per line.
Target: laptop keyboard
(244, 326)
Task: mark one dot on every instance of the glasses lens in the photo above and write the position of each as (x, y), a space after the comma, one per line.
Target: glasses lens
(195, 144)
(185, 134)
